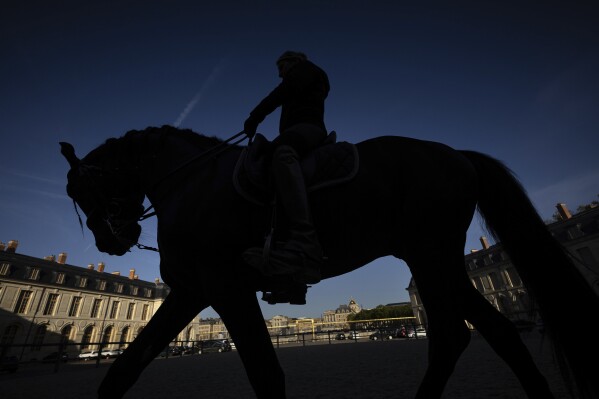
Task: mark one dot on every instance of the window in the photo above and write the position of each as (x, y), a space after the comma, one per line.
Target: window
(38, 338)
(124, 336)
(96, 308)
(82, 282)
(88, 334)
(102, 285)
(107, 337)
(513, 277)
(75, 305)
(23, 302)
(34, 273)
(9, 335)
(486, 282)
(144, 312)
(65, 333)
(115, 310)
(51, 304)
(134, 290)
(495, 280)
(148, 293)
(118, 288)
(4, 269)
(60, 278)
(130, 311)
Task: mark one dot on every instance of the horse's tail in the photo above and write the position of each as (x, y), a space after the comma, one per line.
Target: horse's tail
(565, 299)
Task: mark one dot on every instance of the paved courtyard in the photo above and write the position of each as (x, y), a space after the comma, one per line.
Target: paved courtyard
(366, 369)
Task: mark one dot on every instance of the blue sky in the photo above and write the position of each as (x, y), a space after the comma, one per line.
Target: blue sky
(519, 82)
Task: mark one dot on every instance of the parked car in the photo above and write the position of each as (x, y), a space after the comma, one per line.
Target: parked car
(418, 333)
(53, 357)
(171, 350)
(111, 353)
(88, 355)
(340, 337)
(353, 335)
(216, 345)
(382, 334)
(9, 364)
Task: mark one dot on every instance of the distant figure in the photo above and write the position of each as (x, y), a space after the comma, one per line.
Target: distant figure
(301, 96)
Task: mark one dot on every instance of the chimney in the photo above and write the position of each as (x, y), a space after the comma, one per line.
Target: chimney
(90, 266)
(51, 258)
(136, 277)
(157, 280)
(116, 273)
(101, 267)
(12, 246)
(62, 258)
(473, 251)
(563, 211)
(131, 274)
(484, 242)
(2, 246)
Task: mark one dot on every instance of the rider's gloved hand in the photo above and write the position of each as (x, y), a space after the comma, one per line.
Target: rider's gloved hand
(250, 126)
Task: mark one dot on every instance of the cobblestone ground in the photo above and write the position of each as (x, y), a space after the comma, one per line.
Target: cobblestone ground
(366, 369)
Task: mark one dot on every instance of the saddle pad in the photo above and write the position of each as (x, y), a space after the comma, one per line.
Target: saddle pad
(328, 165)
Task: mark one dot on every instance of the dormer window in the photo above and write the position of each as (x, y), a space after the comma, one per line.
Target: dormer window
(82, 282)
(4, 269)
(34, 273)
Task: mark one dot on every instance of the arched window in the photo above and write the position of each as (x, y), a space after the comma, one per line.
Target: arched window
(87, 337)
(124, 337)
(38, 337)
(8, 337)
(66, 332)
(107, 337)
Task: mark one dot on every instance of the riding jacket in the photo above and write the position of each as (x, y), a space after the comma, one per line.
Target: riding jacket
(300, 95)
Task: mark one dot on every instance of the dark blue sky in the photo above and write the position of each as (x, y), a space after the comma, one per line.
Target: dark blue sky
(519, 82)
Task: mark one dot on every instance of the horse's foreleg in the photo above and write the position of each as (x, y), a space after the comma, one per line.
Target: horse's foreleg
(505, 340)
(252, 340)
(171, 317)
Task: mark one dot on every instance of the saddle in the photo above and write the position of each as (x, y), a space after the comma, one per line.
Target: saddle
(330, 164)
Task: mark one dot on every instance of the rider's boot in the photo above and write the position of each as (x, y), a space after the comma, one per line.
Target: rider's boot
(301, 256)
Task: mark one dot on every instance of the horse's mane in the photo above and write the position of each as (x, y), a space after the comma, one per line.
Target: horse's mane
(121, 143)
(189, 135)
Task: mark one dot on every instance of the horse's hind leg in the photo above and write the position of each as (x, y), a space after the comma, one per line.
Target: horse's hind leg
(449, 299)
(502, 336)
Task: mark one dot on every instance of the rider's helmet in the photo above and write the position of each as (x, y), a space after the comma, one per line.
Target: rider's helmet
(292, 56)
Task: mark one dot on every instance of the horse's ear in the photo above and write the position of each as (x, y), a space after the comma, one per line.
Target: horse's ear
(68, 151)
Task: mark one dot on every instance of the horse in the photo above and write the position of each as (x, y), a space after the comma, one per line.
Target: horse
(403, 189)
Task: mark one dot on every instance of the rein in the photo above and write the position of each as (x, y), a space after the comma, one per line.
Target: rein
(211, 152)
(220, 147)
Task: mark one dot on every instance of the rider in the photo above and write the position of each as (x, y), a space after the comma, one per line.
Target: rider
(301, 95)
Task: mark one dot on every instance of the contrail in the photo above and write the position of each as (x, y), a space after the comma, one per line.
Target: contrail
(211, 78)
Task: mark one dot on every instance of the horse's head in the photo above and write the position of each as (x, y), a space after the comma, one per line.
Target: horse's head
(109, 194)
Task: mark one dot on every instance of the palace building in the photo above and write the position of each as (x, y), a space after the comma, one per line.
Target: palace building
(45, 302)
(494, 276)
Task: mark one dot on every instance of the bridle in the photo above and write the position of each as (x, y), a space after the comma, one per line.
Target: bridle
(113, 207)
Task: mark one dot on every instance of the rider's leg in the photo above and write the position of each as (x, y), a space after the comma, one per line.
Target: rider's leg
(302, 254)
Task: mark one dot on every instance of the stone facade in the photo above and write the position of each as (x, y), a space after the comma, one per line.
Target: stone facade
(44, 302)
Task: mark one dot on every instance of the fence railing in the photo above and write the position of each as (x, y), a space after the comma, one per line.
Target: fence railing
(56, 354)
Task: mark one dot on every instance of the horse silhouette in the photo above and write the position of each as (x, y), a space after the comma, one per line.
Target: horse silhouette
(404, 189)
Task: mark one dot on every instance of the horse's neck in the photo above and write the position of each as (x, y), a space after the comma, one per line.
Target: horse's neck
(164, 160)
